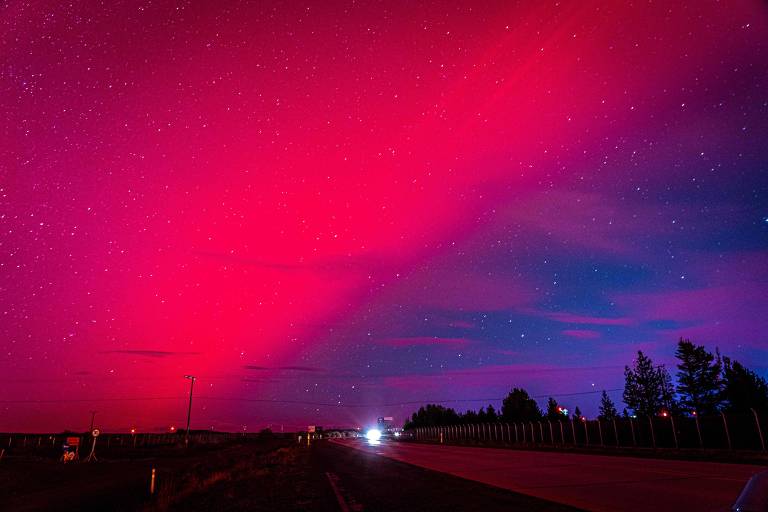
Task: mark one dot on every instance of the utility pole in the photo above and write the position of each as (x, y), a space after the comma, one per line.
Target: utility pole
(192, 378)
(93, 415)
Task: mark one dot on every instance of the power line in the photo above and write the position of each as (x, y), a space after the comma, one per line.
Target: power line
(294, 402)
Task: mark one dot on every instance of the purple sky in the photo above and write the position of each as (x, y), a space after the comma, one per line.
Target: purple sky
(335, 211)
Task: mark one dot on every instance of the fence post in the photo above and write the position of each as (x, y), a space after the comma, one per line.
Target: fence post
(674, 432)
(541, 432)
(516, 438)
(586, 431)
(573, 432)
(727, 433)
(615, 432)
(698, 429)
(632, 427)
(600, 433)
(653, 434)
(759, 430)
(562, 436)
(533, 433)
(551, 433)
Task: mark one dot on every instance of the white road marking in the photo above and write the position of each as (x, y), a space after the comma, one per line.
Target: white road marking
(332, 479)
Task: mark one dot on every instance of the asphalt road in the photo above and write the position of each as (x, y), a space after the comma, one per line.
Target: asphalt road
(590, 482)
(361, 481)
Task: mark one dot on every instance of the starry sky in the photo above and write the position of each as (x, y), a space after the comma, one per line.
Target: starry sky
(333, 211)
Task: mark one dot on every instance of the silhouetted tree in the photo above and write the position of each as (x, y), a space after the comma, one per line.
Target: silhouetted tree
(669, 401)
(607, 407)
(490, 414)
(469, 417)
(519, 406)
(699, 382)
(432, 415)
(577, 413)
(647, 388)
(553, 410)
(743, 389)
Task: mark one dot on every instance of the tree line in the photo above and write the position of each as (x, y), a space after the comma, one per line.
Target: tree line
(707, 383)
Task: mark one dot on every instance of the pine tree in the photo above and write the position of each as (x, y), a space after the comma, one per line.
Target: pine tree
(519, 406)
(699, 378)
(669, 401)
(553, 410)
(743, 389)
(577, 413)
(647, 389)
(607, 408)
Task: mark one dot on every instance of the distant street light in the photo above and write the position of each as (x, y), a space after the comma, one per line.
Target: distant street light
(192, 378)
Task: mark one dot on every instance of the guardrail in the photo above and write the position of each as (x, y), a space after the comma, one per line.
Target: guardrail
(723, 431)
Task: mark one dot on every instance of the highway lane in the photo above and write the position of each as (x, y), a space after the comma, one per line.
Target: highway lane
(591, 482)
(364, 482)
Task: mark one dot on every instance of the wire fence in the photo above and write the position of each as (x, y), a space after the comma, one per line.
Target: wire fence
(733, 431)
(111, 445)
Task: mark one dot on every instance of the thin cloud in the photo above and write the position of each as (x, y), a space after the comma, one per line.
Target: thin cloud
(151, 353)
(284, 368)
(583, 334)
(425, 341)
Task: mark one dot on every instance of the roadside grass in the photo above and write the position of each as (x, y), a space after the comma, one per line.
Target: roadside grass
(272, 478)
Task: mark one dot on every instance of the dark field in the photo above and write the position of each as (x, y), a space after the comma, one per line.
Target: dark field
(267, 474)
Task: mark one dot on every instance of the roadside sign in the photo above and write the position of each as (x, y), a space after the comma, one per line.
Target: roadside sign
(73, 441)
(311, 428)
(95, 432)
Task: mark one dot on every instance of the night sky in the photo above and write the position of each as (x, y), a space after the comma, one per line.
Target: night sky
(344, 207)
